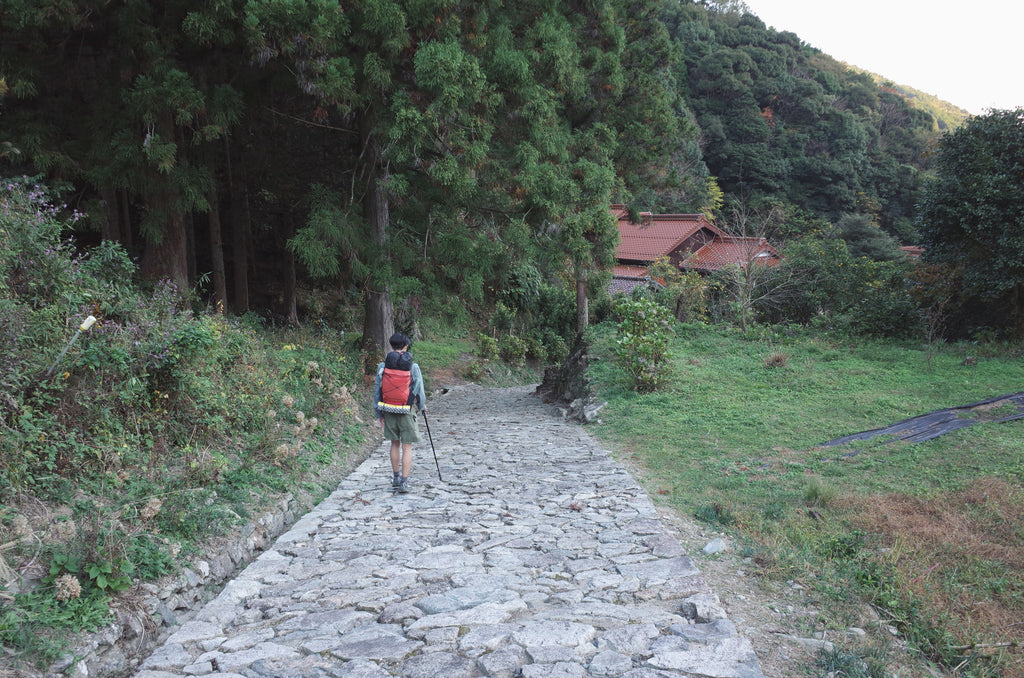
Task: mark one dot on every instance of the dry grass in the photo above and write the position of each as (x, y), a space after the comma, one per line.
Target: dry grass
(961, 553)
(776, 359)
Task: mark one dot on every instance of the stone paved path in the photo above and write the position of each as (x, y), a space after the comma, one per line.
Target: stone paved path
(537, 556)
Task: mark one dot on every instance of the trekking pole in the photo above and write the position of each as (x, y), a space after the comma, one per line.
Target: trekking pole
(427, 422)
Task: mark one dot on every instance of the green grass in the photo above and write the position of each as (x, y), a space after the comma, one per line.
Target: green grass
(435, 355)
(734, 439)
(757, 429)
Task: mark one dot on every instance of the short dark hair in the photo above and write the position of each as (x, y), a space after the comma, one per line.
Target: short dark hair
(399, 340)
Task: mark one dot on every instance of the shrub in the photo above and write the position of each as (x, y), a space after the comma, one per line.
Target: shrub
(826, 285)
(512, 350)
(555, 346)
(641, 348)
(503, 319)
(486, 346)
(535, 349)
(684, 292)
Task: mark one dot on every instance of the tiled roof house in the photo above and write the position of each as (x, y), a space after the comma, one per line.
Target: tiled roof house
(688, 240)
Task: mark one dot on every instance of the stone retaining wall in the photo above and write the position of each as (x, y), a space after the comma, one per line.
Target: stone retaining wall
(114, 649)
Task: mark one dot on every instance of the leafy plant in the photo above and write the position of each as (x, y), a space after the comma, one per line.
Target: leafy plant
(150, 558)
(486, 346)
(641, 347)
(513, 350)
(684, 291)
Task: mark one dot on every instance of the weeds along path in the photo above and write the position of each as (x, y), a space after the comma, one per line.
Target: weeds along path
(537, 555)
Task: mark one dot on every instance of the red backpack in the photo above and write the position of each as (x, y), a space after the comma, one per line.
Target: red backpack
(395, 385)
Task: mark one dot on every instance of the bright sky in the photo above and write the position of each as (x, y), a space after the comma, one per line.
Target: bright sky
(965, 53)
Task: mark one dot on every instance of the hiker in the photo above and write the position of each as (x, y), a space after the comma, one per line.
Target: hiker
(396, 398)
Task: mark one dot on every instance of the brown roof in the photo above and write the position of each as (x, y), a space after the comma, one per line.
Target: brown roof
(657, 235)
(730, 249)
(678, 235)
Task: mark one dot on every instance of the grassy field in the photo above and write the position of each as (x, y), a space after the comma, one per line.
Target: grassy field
(929, 535)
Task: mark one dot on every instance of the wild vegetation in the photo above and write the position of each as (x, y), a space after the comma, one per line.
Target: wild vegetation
(249, 196)
(157, 429)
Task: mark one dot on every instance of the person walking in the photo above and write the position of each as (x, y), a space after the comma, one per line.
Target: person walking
(398, 395)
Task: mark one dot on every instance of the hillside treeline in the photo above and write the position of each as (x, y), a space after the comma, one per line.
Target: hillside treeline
(783, 122)
(399, 150)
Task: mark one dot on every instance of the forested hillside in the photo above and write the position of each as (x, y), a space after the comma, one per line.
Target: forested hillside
(393, 151)
(947, 116)
(784, 123)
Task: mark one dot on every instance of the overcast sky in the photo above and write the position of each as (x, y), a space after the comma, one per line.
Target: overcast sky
(968, 54)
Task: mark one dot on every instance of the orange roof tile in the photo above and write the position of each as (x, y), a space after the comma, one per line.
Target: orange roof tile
(726, 250)
(657, 235)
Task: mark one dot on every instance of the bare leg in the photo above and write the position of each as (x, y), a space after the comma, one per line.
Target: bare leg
(406, 459)
(396, 457)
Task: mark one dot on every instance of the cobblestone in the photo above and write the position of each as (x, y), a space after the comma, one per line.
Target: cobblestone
(536, 556)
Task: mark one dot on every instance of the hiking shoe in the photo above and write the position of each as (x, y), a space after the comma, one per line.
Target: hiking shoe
(404, 485)
(396, 479)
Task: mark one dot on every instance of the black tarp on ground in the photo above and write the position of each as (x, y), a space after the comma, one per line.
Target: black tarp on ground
(934, 424)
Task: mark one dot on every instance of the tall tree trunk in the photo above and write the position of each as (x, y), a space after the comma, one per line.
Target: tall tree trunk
(124, 210)
(240, 250)
(168, 259)
(191, 267)
(239, 201)
(290, 297)
(117, 226)
(380, 324)
(110, 229)
(166, 256)
(379, 320)
(582, 302)
(220, 292)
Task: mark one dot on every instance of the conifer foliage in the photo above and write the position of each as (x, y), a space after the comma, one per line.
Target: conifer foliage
(344, 136)
(399, 150)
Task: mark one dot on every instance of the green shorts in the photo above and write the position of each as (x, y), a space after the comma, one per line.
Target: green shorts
(401, 427)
